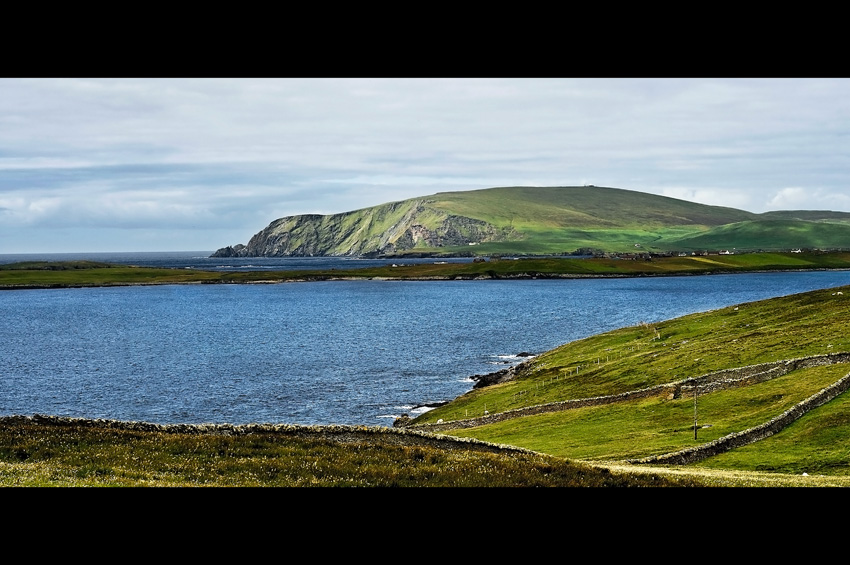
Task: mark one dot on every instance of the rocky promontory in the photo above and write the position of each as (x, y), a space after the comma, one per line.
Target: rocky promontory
(380, 230)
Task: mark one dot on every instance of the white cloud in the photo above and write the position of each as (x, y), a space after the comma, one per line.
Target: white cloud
(798, 198)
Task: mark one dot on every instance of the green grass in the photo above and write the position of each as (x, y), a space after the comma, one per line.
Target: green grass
(581, 207)
(98, 275)
(554, 220)
(658, 425)
(62, 452)
(768, 235)
(817, 443)
(646, 355)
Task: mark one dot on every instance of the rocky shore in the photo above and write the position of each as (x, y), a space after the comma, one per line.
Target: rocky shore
(481, 381)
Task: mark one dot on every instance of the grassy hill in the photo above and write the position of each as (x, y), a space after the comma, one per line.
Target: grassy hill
(581, 207)
(543, 220)
(769, 235)
(664, 361)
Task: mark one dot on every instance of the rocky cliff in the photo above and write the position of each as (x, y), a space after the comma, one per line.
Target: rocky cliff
(380, 230)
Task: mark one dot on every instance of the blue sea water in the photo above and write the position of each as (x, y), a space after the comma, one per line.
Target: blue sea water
(334, 352)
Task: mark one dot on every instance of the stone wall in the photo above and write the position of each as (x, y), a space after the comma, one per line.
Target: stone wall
(710, 382)
(738, 439)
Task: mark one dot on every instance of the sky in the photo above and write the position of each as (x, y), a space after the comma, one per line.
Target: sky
(147, 164)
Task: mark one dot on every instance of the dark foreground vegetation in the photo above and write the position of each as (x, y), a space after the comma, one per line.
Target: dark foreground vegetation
(45, 451)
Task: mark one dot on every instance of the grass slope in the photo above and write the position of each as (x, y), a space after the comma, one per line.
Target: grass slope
(769, 235)
(551, 220)
(817, 444)
(654, 426)
(812, 323)
(581, 207)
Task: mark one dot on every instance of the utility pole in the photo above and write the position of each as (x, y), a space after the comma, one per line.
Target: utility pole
(695, 412)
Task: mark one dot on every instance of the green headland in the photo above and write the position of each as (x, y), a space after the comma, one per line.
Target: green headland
(543, 221)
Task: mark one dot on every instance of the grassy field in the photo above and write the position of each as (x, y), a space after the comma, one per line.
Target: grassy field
(583, 207)
(654, 426)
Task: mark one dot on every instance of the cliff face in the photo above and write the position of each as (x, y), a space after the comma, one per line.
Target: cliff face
(385, 229)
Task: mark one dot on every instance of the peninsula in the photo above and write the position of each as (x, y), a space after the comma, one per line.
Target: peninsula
(524, 220)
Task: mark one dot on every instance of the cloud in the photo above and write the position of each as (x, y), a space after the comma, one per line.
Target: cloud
(160, 154)
(798, 198)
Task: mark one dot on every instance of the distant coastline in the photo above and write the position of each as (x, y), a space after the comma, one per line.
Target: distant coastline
(86, 273)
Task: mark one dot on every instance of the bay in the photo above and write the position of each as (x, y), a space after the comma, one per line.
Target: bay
(335, 352)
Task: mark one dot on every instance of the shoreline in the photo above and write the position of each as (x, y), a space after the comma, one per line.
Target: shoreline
(456, 277)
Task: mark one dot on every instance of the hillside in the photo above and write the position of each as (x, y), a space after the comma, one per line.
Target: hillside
(765, 382)
(540, 221)
(770, 235)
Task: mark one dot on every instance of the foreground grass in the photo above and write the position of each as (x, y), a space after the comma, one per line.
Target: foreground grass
(63, 452)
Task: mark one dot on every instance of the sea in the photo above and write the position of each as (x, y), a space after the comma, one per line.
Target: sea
(329, 352)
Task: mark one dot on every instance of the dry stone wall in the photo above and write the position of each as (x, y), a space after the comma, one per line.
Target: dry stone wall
(710, 382)
(738, 439)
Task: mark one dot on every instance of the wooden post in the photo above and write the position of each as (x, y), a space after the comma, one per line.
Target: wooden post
(695, 412)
